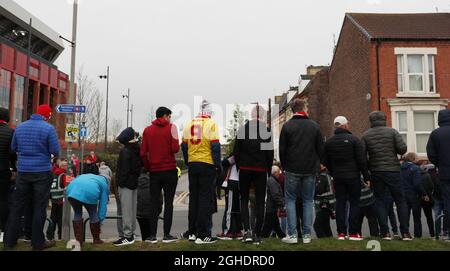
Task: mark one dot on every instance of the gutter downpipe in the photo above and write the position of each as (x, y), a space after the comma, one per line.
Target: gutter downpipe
(378, 74)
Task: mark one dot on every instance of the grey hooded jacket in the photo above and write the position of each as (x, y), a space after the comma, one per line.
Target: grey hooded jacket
(383, 145)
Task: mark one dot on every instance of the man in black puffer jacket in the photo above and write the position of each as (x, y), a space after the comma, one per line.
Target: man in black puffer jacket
(346, 161)
(383, 145)
(7, 166)
(438, 150)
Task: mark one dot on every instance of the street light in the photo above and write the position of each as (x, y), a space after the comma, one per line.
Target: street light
(107, 104)
(128, 105)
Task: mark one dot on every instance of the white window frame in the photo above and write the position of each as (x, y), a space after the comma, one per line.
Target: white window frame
(410, 106)
(424, 52)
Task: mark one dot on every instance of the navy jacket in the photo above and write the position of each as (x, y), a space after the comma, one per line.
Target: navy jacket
(412, 179)
(35, 141)
(438, 148)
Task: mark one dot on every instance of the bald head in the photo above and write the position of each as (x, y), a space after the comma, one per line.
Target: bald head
(276, 171)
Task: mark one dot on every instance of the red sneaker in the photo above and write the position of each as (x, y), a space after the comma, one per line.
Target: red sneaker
(356, 237)
(341, 237)
(238, 235)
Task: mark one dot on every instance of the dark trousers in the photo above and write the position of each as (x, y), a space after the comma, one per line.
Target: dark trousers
(167, 182)
(322, 223)
(231, 221)
(144, 225)
(272, 223)
(56, 220)
(347, 190)
(259, 181)
(5, 191)
(383, 181)
(413, 205)
(370, 213)
(391, 214)
(37, 186)
(202, 178)
(428, 211)
(445, 187)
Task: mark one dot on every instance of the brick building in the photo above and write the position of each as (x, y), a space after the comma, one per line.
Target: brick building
(396, 63)
(47, 85)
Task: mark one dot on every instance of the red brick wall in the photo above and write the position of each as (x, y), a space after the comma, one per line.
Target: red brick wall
(350, 79)
(317, 93)
(388, 70)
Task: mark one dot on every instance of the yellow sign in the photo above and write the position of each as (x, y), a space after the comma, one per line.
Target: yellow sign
(72, 132)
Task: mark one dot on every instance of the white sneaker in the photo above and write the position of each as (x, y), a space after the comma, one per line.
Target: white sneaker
(192, 238)
(290, 239)
(306, 239)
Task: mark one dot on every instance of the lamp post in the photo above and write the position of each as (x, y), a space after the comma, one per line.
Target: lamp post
(128, 106)
(131, 113)
(107, 104)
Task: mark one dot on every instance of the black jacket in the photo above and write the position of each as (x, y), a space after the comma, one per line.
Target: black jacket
(129, 166)
(7, 157)
(345, 157)
(301, 146)
(383, 145)
(275, 197)
(428, 185)
(438, 148)
(254, 147)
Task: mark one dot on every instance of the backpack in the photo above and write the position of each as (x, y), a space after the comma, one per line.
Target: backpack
(57, 189)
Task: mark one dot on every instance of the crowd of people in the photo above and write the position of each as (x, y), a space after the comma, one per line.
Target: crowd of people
(345, 178)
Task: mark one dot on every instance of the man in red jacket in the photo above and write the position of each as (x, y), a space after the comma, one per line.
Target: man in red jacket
(158, 149)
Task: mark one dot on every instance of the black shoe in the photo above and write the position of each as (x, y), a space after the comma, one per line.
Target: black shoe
(152, 240)
(247, 237)
(169, 239)
(257, 240)
(124, 242)
(206, 240)
(47, 244)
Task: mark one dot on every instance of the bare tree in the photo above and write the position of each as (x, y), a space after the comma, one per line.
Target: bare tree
(116, 127)
(89, 95)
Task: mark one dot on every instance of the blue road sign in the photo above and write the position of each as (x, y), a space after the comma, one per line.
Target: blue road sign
(83, 131)
(70, 108)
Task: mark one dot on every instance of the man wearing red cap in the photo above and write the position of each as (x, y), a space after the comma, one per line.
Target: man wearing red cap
(34, 141)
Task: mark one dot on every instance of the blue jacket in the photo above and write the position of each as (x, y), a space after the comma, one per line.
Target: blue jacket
(35, 141)
(412, 179)
(90, 189)
(438, 148)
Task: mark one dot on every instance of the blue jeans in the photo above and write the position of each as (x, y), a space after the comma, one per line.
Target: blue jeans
(383, 180)
(34, 188)
(77, 207)
(305, 185)
(439, 210)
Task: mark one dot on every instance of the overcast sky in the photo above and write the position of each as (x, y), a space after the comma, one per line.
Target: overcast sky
(228, 51)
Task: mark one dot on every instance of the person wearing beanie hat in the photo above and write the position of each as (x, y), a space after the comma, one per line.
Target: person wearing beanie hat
(129, 167)
(201, 151)
(35, 141)
(45, 111)
(7, 166)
